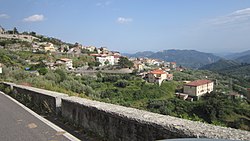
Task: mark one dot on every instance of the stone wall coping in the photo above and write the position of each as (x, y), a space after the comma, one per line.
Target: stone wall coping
(41, 91)
(187, 127)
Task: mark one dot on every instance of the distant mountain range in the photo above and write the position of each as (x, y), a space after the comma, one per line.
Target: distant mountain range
(237, 55)
(187, 58)
(196, 59)
(141, 54)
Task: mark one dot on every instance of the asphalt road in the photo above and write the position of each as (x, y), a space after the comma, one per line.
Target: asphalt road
(17, 124)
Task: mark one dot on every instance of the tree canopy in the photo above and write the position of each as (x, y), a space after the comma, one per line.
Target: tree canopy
(125, 63)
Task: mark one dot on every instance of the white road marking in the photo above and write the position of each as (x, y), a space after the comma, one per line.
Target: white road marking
(52, 125)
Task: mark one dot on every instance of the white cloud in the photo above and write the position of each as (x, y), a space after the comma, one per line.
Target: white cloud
(123, 20)
(34, 18)
(238, 16)
(103, 4)
(4, 16)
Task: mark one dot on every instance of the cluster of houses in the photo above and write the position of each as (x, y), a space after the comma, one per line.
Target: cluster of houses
(145, 63)
(162, 73)
(102, 54)
(106, 57)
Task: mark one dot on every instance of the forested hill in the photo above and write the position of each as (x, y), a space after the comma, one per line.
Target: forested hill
(244, 59)
(187, 58)
(231, 68)
(141, 54)
(220, 65)
(237, 55)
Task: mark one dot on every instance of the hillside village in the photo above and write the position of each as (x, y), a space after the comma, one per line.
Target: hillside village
(99, 73)
(102, 58)
(82, 59)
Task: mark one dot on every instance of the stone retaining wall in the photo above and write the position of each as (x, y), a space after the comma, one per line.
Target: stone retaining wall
(39, 100)
(114, 122)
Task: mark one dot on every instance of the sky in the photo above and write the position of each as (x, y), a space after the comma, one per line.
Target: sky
(130, 26)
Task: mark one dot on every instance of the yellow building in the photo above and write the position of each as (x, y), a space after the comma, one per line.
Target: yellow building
(198, 87)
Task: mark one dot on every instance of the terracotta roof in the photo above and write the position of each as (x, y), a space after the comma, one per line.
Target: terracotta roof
(198, 82)
(158, 72)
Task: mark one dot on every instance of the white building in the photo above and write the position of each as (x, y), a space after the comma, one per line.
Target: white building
(105, 60)
(198, 87)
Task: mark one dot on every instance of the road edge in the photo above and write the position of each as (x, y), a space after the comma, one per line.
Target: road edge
(47, 122)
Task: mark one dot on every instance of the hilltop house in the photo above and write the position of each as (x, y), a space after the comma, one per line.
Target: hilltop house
(198, 88)
(103, 50)
(74, 50)
(91, 48)
(49, 47)
(158, 76)
(65, 61)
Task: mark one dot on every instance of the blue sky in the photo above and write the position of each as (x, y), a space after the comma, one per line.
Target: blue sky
(136, 25)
